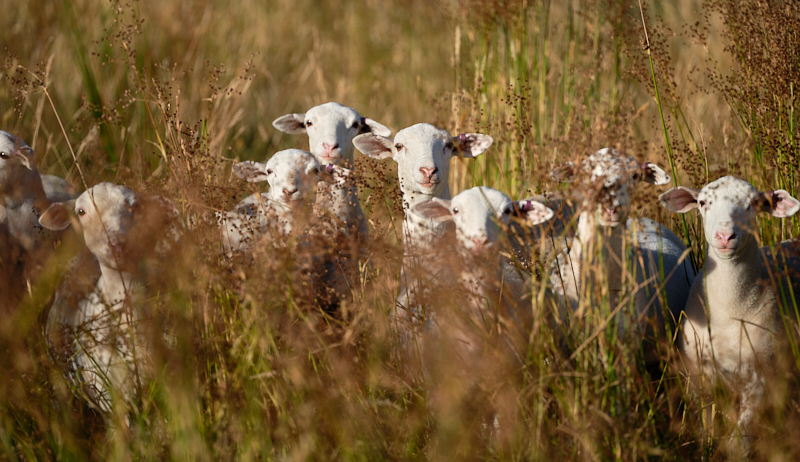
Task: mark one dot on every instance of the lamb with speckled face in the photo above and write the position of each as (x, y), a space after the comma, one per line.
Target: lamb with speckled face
(604, 183)
(95, 329)
(732, 321)
(292, 175)
(288, 208)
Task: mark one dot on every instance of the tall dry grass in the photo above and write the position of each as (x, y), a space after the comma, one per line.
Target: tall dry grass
(163, 96)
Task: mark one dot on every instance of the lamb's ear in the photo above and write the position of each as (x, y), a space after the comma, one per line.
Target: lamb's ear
(653, 174)
(564, 173)
(469, 145)
(436, 209)
(26, 155)
(370, 126)
(250, 171)
(680, 199)
(58, 216)
(535, 212)
(375, 146)
(293, 124)
(779, 203)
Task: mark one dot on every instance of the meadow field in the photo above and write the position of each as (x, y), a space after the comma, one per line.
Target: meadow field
(165, 96)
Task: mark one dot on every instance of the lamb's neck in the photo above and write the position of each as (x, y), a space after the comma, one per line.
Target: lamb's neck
(422, 234)
(115, 285)
(735, 286)
(485, 275)
(610, 240)
(288, 214)
(342, 200)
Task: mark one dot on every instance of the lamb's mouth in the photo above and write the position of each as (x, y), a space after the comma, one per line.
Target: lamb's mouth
(429, 184)
(725, 251)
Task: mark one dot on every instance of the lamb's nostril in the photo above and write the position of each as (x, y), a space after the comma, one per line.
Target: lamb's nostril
(116, 246)
(328, 148)
(724, 237)
(289, 192)
(428, 172)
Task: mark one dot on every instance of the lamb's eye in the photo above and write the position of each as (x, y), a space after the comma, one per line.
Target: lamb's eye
(308, 123)
(636, 176)
(81, 212)
(449, 146)
(702, 203)
(507, 211)
(398, 146)
(455, 210)
(269, 171)
(4, 155)
(355, 126)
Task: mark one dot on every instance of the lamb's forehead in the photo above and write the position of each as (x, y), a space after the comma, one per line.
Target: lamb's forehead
(608, 163)
(333, 112)
(481, 198)
(422, 133)
(107, 196)
(728, 188)
(290, 159)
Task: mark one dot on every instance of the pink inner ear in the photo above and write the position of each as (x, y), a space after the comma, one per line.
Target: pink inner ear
(463, 138)
(783, 205)
(678, 200)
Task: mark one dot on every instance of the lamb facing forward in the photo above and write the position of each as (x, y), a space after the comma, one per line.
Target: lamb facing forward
(604, 230)
(96, 326)
(732, 319)
(481, 216)
(479, 344)
(292, 177)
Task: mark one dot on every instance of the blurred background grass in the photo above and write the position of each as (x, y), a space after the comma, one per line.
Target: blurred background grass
(161, 94)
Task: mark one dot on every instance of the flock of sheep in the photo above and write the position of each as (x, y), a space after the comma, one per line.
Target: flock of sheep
(730, 313)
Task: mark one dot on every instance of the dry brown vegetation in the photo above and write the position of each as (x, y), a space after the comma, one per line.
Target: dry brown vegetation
(163, 96)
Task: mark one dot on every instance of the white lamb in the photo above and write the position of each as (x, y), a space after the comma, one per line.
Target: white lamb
(606, 179)
(732, 319)
(293, 176)
(288, 208)
(423, 154)
(482, 216)
(331, 129)
(481, 338)
(24, 194)
(95, 327)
